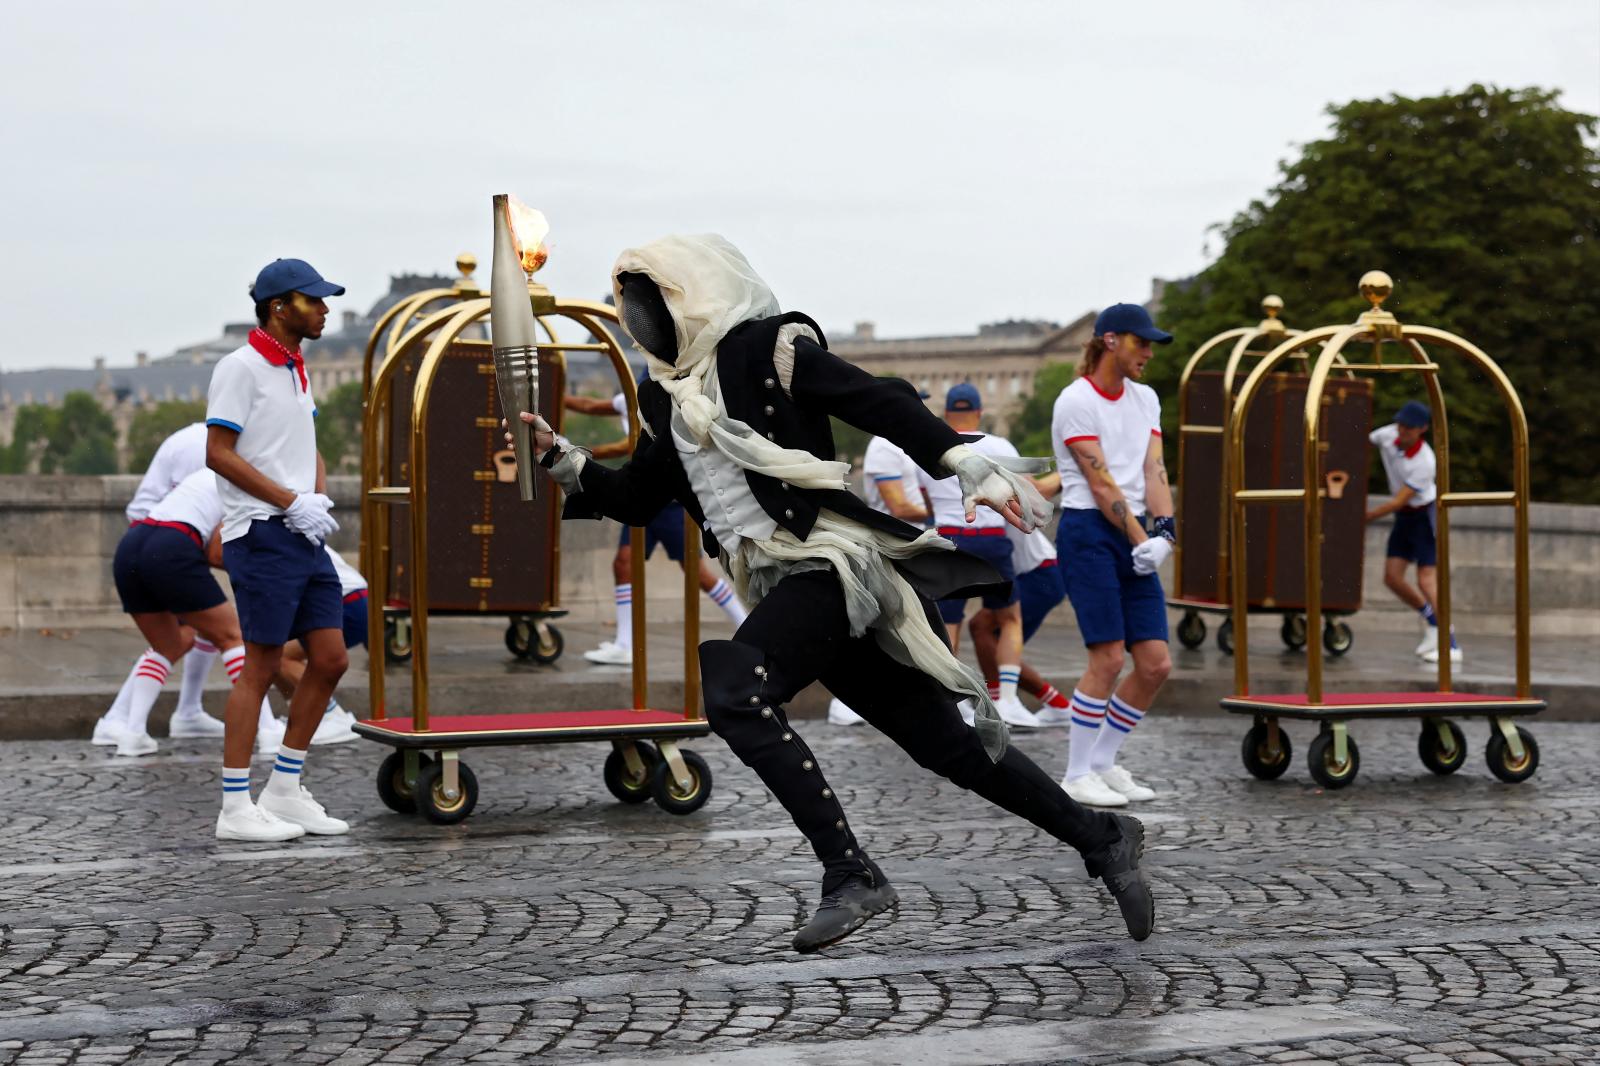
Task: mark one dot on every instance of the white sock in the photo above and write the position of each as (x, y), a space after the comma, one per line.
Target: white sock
(624, 616)
(118, 713)
(196, 667)
(1084, 727)
(233, 662)
(1121, 717)
(148, 678)
(285, 779)
(722, 595)
(1008, 681)
(235, 788)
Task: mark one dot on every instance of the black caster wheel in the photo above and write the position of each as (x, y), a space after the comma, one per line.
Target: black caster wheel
(1225, 637)
(1337, 638)
(1294, 632)
(1328, 774)
(625, 786)
(438, 808)
(392, 787)
(396, 645)
(1431, 748)
(1192, 630)
(675, 800)
(1506, 768)
(1258, 760)
(523, 641)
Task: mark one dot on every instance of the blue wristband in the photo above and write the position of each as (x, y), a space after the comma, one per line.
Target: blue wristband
(1165, 526)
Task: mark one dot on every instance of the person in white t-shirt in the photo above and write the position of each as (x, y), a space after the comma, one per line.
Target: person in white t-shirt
(181, 454)
(1106, 428)
(1411, 468)
(1040, 589)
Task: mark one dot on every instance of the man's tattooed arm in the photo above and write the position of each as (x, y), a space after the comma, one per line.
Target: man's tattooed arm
(1108, 495)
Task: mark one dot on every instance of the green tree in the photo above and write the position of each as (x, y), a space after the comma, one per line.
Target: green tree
(1484, 206)
(1030, 429)
(152, 425)
(75, 438)
(339, 428)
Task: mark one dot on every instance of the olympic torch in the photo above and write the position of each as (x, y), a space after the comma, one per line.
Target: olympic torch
(519, 233)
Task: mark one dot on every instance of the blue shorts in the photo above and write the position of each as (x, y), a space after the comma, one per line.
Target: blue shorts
(993, 548)
(355, 620)
(163, 568)
(665, 529)
(1411, 538)
(283, 584)
(1111, 601)
(1041, 589)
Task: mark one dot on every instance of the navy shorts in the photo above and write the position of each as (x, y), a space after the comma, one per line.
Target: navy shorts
(993, 548)
(355, 620)
(665, 529)
(283, 584)
(162, 568)
(1041, 589)
(1411, 538)
(1111, 601)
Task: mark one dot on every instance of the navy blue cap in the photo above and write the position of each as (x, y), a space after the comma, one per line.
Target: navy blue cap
(963, 397)
(1130, 318)
(1414, 415)
(283, 276)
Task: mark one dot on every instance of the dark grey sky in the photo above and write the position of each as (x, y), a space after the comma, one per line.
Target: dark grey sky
(927, 165)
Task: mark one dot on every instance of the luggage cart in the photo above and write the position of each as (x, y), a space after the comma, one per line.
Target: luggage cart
(646, 761)
(1334, 758)
(1200, 561)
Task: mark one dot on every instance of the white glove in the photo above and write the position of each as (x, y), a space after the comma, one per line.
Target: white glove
(1148, 555)
(993, 480)
(308, 516)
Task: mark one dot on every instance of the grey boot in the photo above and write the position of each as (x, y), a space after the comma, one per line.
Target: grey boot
(845, 910)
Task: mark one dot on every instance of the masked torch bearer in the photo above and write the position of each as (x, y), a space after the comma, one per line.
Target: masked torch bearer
(519, 233)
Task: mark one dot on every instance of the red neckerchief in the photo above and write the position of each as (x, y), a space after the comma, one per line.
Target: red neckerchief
(1411, 452)
(276, 354)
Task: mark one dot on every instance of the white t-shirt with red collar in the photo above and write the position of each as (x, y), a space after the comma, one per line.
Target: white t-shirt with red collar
(262, 392)
(1414, 468)
(1123, 425)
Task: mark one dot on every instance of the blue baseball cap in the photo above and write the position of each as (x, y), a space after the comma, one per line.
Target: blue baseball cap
(283, 276)
(963, 397)
(1414, 415)
(1130, 318)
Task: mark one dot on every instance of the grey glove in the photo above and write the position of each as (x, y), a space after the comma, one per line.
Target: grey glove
(564, 470)
(308, 516)
(995, 481)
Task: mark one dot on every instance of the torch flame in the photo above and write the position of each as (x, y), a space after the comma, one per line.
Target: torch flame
(528, 231)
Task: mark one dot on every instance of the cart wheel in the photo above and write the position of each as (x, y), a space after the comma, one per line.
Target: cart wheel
(626, 788)
(1337, 638)
(674, 800)
(1431, 748)
(1503, 766)
(1225, 636)
(1294, 632)
(1327, 773)
(1256, 758)
(396, 649)
(433, 803)
(392, 787)
(523, 641)
(1192, 630)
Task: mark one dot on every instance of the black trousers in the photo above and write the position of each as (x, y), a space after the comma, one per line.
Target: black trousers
(800, 634)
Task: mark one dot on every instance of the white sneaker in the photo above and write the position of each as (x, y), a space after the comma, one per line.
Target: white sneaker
(1015, 715)
(1430, 644)
(303, 811)
(839, 713)
(610, 653)
(1090, 791)
(336, 727)
(195, 724)
(1433, 656)
(1050, 717)
(254, 824)
(269, 738)
(1119, 780)
(106, 731)
(969, 713)
(137, 744)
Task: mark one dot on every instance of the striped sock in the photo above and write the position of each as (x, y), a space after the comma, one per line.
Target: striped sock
(994, 690)
(1052, 697)
(1087, 714)
(119, 706)
(235, 788)
(233, 662)
(624, 616)
(148, 677)
(722, 595)
(285, 779)
(1121, 717)
(196, 667)
(1008, 681)
(1428, 616)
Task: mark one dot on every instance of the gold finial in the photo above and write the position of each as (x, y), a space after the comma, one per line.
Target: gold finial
(466, 263)
(1272, 304)
(1376, 286)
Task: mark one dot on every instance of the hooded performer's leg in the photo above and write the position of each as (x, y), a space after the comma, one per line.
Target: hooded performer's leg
(781, 648)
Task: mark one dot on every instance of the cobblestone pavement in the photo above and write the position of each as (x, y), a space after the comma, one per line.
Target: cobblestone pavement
(1407, 919)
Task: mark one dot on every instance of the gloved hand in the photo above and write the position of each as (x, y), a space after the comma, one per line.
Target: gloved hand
(569, 460)
(544, 438)
(308, 515)
(994, 481)
(1148, 555)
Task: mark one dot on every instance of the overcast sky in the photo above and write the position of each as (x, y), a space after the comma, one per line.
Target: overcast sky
(926, 165)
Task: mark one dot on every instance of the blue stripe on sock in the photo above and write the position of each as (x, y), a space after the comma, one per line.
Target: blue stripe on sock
(1088, 701)
(282, 769)
(236, 788)
(291, 759)
(1119, 727)
(1087, 725)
